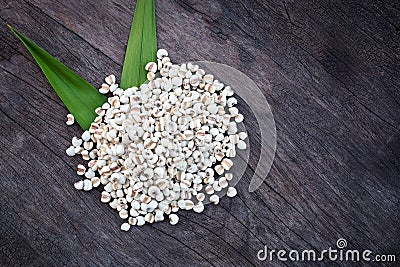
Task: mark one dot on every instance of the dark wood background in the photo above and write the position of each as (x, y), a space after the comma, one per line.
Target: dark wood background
(330, 71)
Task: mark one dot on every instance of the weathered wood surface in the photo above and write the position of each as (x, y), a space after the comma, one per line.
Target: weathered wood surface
(329, 69)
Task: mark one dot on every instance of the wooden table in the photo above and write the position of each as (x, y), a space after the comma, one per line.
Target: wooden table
(329, 69)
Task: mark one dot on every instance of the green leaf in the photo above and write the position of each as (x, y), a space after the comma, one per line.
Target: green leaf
(80, 97)
(142, 45)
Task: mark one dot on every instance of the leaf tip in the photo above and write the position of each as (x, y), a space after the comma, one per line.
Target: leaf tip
(14, 31)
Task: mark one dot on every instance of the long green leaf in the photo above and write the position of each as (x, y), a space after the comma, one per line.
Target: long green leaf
(80, 97)
(142, 45)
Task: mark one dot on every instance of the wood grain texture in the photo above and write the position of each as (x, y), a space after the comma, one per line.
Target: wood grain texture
(330, 71)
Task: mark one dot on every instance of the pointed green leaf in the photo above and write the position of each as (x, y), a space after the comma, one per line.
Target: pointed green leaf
(142, 45)
(80, 97)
